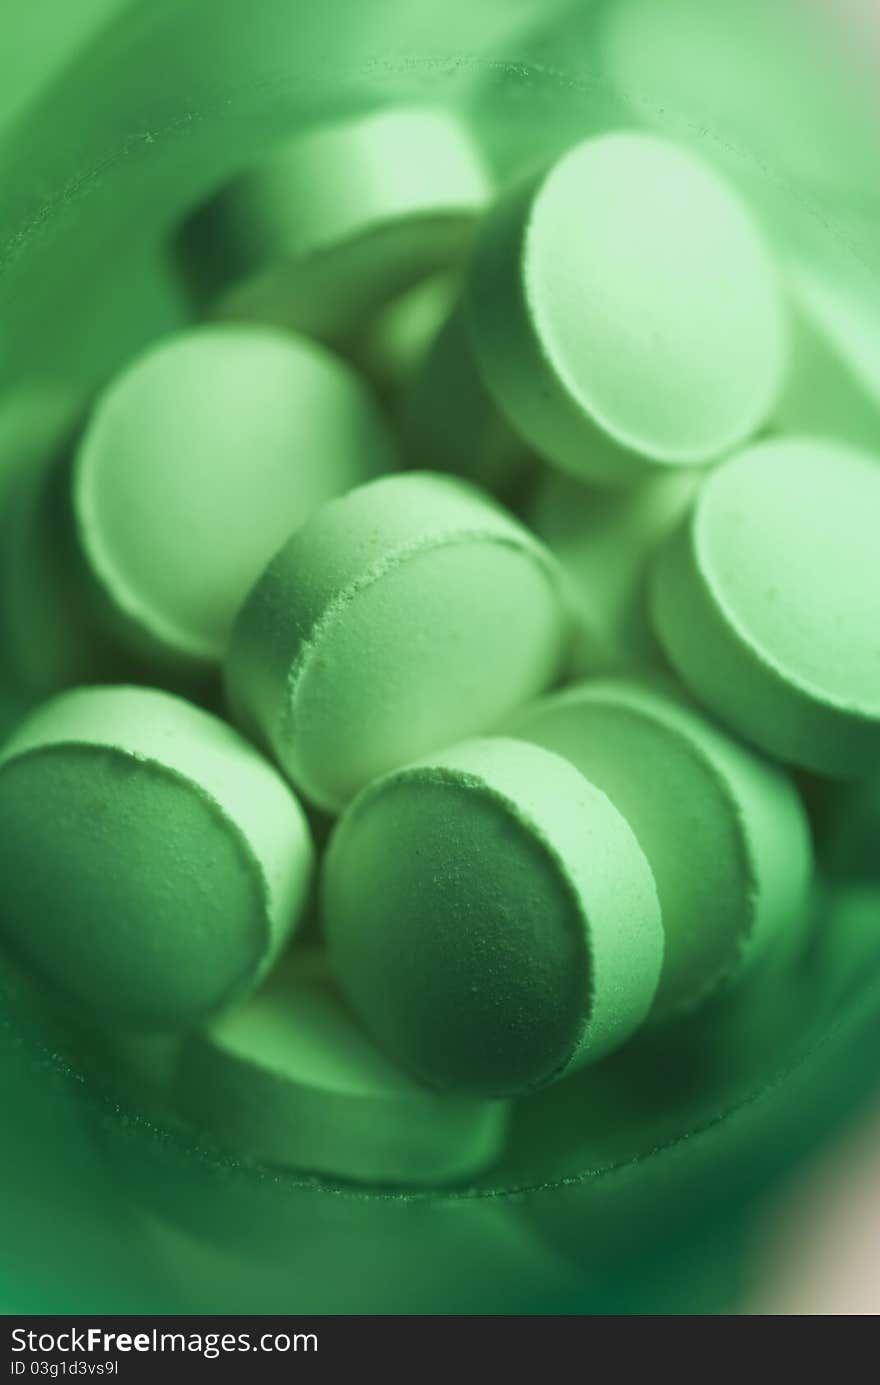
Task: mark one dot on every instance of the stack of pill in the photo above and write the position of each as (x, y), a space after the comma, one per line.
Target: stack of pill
(449, 618)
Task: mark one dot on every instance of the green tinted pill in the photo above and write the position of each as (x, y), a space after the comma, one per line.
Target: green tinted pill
(767, 601)
(625, 311)
(723, 830)
(291, 1079)
(492, 918)
(336, 223)
(153, 864)
(603, 540)
(407, 615)
(198, 461)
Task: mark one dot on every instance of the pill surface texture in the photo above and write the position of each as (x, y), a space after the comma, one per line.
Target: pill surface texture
(723, 830)
(405, 616)
(153, 864)
(625, 311)
(492, 918)
(767, 600)
(199, 460)
(331, 227)
(290, 1078)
